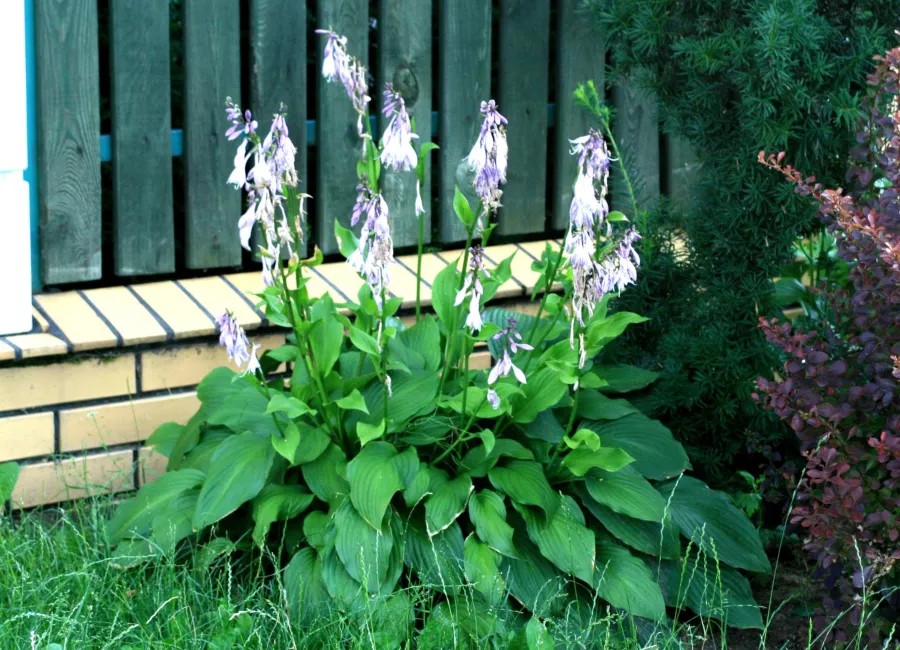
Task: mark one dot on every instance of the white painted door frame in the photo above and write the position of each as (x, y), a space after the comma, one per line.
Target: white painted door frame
(15, 202)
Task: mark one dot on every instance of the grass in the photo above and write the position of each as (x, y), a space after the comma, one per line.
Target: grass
(60, 589)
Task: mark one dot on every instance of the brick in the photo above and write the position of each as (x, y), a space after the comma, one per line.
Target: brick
(72, 381)
(521, 264)
(431, 266)
(186, 366)
(480, 361)
(77, 320)
(26, 436)
(176, 308)
(151, 465)
(38, 345)
(74, 478)
(216, 296)
(134, 323)
(6, 352)
(116, 424)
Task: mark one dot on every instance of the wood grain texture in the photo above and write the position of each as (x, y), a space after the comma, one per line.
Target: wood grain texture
(278, 46)
(681, 166)
(523, 93)
(68, 106)
(338, 145)
(465, 71)
(405, 51)
(141, 137)
(636, 128)
(212, 57)
(581, 52)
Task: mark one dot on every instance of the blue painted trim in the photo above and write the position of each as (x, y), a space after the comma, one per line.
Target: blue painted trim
(30, 175)
(178, 134)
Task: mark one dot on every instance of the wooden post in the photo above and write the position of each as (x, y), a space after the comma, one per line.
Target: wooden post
(15, 248)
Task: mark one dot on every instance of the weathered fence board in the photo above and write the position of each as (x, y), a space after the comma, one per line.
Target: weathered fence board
(524, 69)
(212, 57)
(278, 44)
(141, 137)
(581, 55)
(405, 50)
(465, 73)
(68, 104)
(338, 144)
(636, 129)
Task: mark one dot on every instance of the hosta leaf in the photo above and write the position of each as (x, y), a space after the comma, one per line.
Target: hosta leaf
(481, 570)
(364, 551)
(245, 410)
(645, 536)
(353, 402)
(418, 488)
(524, 482)
(407, 464)
(443, 292)
(532, 579)
(9, 474)
(545, 427)
(622, 378)
(626, 492)
(564, 539)
(713, 523)
(174, 521)
(301, 444)
(237, 474)
(326, 335)
(364, 342)
(318, 531)
(580, 461)
(374, 479)
(543, 390)
(626, 582)
(326, 476)
(369, 432)
(341, 586)
(480, 459)
(412, 394)
(446, 503)
(289, 405)
(134, 516)
(488, 514)
(164, 438)
(593, 405)
(711, 590)
(657, 455)
(304, 587)
(277, 503)
(200, 457)
(423, 338)
(600, 330)
(437, 560)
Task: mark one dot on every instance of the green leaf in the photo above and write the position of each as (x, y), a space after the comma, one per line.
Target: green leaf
(626, 492)
(174, 520)
(313, 442)
(208, 553)
(364, 551)
(488, 514)
(616, 216)
(303, 584)
(413, 394)
(713, 523)
(482, 572)
(657, 455)
(374, 479)
(438, 560)
(564, 539)
(603, 329)
(418, 487)
(546, 427)
(367, 432)
(243, 410)
(622, 378)
(543, 390)
(647, 537)
(201, 456)
(626, 582)
(524, 482)
(354, 401)
(277, 503)
(134, 516)
(284, 353)
(423, 338)
(237, 474)
(593, 405)
(580, 461)
(583, 437)
(534, 636)
(290, 406)
(443, 292)
(479, 460)
(446, 503)
(165, 437)
(347, 241)
(326, 337)
(318, 530)
(711, 590)
(340, 584)
(9, 474)
(487, 437)
(462, 208)
(287, 446)
(532, 579)
(326, 476)
(364, 342)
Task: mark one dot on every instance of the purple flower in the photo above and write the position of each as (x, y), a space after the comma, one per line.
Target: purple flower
(420, 207)
(493, 399)
(513, 342)
(476, 265)
(239, 176)
(280, 152)
(234, 340)
(240, 123)
(337, 63)
(375, 253)
(489, 157)
(398, 152)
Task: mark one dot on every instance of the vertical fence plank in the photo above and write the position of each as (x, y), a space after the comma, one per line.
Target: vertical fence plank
(681, 169)
(338, 144)
(636, 128)
(405, 60)
(68, 99)
(523, 93)
(278, 37)
(212, 57)
(465, 76)
(141, 137)
(581, 54)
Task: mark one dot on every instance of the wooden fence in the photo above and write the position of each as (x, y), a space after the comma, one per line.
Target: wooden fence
(444, 58)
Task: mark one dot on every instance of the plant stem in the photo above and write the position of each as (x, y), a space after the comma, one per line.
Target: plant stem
(549, 279)
(465, 394)
(648, 251)
(419, 268)
(450, 347)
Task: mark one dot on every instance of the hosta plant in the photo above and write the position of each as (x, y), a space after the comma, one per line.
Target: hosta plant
(382, 459)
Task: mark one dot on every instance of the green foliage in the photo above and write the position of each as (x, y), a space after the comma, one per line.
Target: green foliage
(731, 79)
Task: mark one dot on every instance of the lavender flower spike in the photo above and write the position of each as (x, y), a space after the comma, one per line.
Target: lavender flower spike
(398, 153)
(513, 342)
(337, 63)
(375, 254)
(489, 157)
(476, 265)
(234, 340)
